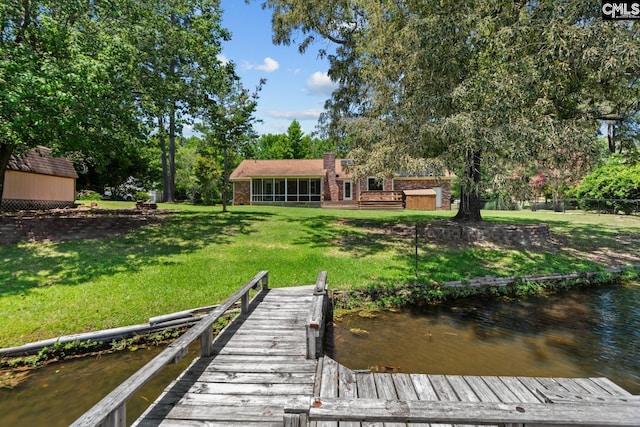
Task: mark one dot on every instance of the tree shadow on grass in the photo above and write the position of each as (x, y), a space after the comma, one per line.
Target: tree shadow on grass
(359, 238)
(572, 247)
(28, 266)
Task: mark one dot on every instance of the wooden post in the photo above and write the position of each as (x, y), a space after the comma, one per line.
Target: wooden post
(296, 416)
(245, 303)
(265, 281)
(117, 418)
(321, 284)
(315, 321)
(295, 420)
(206, 343)
(311, 341)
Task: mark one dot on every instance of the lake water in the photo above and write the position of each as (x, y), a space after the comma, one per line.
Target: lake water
(589, 333)
(57, 394)
(577, 334)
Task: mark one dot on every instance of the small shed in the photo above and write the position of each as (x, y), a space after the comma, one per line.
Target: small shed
(37, 180)
(420, 200)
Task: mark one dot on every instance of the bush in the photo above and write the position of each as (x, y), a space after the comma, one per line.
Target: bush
(88, 195)
(614, 187)
(142, 196)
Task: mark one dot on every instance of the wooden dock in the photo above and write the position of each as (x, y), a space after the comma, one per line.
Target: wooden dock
(362, 398)
(265, 369)
(260, 367)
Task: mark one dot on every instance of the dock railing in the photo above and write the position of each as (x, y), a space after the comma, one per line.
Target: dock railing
(316, 322)
(111, 410)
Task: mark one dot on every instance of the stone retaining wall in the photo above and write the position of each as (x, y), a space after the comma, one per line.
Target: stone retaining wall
(70, 224)
(503, 234)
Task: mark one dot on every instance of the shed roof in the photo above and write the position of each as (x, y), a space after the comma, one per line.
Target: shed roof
(283, 168)
(421, 192)
(39, 160)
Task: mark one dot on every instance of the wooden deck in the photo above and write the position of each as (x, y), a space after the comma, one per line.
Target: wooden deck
(344, 394)
(260, 367)
(263, 370)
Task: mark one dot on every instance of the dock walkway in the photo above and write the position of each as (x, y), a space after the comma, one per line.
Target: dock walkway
(259, 368)
(264, 370)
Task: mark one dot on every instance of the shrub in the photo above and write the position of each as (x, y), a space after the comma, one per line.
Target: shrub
(142, 196)
(614, 187)
(88, 195)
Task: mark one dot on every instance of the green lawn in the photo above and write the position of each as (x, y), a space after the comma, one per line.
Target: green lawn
(200, 256)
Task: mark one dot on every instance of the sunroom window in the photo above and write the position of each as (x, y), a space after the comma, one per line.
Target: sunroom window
(285, 189)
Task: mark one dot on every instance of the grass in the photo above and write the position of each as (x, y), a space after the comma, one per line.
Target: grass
(200, 256)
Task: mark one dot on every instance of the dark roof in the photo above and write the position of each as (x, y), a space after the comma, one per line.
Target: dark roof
(283, 168)
(39, 160)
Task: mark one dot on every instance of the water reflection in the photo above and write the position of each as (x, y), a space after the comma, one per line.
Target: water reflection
(594, 332)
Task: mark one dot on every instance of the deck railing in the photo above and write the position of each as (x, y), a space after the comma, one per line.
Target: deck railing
(315, 321)
(111, 410)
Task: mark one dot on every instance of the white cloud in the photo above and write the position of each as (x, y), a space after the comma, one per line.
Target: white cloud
(297, 115)
(188, 131)
(269, 65)
(320, 84)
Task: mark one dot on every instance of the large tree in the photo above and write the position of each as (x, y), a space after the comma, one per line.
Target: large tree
(65, 80)
(229, 117)
(465, 85)
(179, 43)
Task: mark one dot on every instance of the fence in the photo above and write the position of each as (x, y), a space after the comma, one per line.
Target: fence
(600, 206)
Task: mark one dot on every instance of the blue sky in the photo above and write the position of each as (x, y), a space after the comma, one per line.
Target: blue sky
(297, 84)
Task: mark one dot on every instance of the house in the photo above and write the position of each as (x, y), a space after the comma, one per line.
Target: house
(326, 182)
(38, 180)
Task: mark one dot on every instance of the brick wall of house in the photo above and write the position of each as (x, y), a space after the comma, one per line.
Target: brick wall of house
(242, 193)
(420, 184)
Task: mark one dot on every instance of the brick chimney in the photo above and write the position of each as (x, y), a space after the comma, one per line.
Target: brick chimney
(331, 191)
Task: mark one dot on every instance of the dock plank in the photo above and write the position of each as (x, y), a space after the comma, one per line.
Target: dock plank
(504, 393)
(329, 386)
(386, 390)
(348, 389)
(522, 392)
(424, 388)
(481, 389)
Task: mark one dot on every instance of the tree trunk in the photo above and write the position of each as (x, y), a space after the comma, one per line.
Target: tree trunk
(6, 150)
(165, 168)
(469, 210)
(225, 176)
(172, 156)
(610, 138)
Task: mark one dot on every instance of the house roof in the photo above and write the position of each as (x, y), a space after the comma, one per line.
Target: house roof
(39, 160)
(283, 168)
(305, 168)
